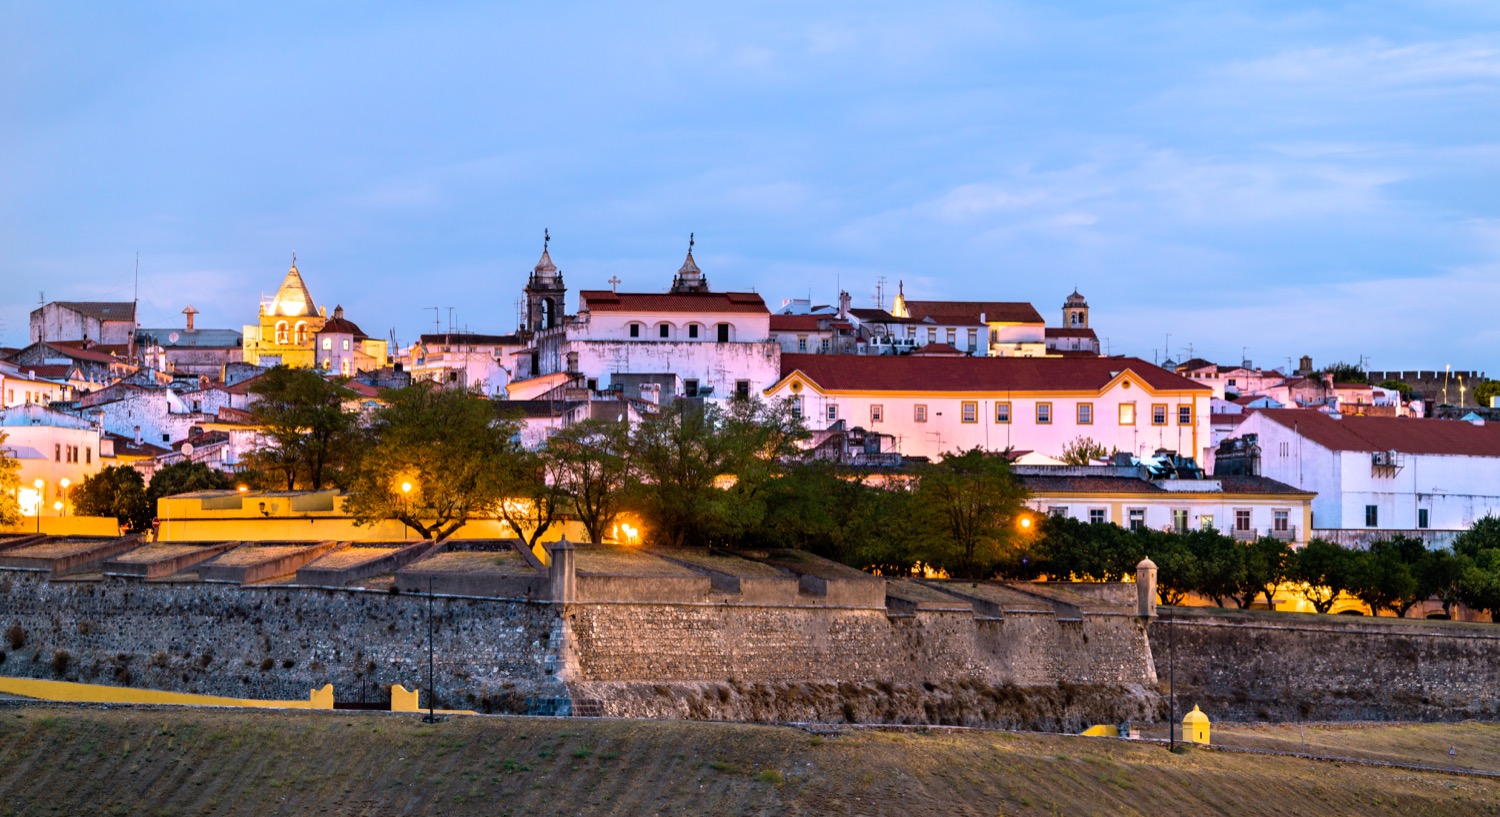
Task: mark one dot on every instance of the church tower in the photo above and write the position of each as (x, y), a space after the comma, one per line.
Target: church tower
(285, 329)
(1075, 312)
(689, 278)
(545, 292)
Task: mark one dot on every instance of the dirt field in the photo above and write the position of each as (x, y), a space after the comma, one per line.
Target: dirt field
(166, 761)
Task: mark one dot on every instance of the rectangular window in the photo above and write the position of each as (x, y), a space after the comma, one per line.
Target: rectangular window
(877, 414)
(1208, 521)
(742, 390)
(911, 332)
(693, 331)
(824, 345)
(969, 411)
(832, 409)
(592, 384)
(1058, 510)
(664, 331)
(1242, 519)
(1280, 521)
(1098, 516)
(327, 344)
(797, 406)
(690, 388)
(1422, 518)
(56, 452)
(1043, 414)
(1372, 516)
(1127, 414)
(1184, 415)
(723, 333)
(1180, 520)
(635, 330)
(802, 343)
(1137, 518)
(1286, 449)
(931, 334)
(1158, 415)
(346, 344)
(952, 337)
(1085, 414)
(1002, 412)
(88, 455)
(919, 413)
(973, 339)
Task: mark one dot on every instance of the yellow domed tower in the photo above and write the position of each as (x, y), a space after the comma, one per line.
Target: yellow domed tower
(288, 328)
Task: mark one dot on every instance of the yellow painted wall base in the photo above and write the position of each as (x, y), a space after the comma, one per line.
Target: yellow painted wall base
(106, 526)
(1101, 730)
(404, 700)
(100, 694)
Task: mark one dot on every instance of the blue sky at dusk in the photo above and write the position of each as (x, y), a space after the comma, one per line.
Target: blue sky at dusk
(1285, 178)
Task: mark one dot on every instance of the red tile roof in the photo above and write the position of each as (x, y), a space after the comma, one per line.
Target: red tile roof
(939, 349)
(603, 300)
(75, 350)
(49, 372)
(993, 311)
(102, 310)
(1069, 332)
(795, 323)
(976, 374)
(1410, 435)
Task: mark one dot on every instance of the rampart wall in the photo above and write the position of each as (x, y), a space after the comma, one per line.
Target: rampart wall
(1261, 666)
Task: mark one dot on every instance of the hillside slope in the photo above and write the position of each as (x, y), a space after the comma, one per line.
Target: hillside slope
(166, 761)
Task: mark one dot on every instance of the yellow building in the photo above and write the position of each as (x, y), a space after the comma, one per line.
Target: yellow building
(288, 327)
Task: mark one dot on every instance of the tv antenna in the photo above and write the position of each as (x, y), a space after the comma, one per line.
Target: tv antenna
(437, 319)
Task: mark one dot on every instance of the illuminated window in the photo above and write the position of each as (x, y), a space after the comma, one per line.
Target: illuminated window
(281, 332)
(1085, 414)
(346, 344)
(1002, 412)
(1127, 414)
(1043, 414)
(1158, 415)
(877, 414)
(327, 344)
(301, 332)
(919, 413)
(1184, 415)
(969, 411)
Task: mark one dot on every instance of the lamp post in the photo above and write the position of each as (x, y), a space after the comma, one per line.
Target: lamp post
(431, 717)
(1172, 683)
(405, 505)
(63, 505)
(41, 486)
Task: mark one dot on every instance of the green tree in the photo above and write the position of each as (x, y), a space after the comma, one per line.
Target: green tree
(700, 470)
(1266, 562)
(10, 485)
(975, 503)
(1478, 552)
(449, 447)
(1380, 579)
(590, 461)
(1221, 563)
(1070, 549)
(118, 491)
(1346, 373)
(1083, 451)
(1437, 576)
(1321, 571)
(1178, 570)
(306, 430)
(185, 478)
(533, 500)
(1486, 391)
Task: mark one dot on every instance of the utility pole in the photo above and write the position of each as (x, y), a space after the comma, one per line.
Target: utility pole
(1172, 683)
(431, 703)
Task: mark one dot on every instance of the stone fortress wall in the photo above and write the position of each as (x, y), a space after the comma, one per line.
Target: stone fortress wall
(784, 636)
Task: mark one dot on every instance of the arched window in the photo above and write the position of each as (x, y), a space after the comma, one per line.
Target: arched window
(547, 318)
(301, 332)
(281, 331)
(664, 331)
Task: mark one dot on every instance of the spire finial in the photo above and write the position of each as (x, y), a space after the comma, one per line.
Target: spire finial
(546, 238)
(690, 243)
(294, 258)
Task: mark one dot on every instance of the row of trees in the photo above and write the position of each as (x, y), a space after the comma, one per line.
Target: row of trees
(121, 492)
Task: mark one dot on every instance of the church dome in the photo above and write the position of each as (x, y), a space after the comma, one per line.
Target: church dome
(1075, 300)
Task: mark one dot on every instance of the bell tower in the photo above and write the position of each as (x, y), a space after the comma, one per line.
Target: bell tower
(1075, 312)
(689, 278)
(545, 292)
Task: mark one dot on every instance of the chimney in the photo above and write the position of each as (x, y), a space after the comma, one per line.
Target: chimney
(844, 302)
(137, 435)
(190, 312)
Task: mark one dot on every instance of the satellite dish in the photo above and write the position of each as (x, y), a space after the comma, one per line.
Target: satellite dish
(173, 337)
(187, 449)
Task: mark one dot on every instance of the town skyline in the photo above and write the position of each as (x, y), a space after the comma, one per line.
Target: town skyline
(1259, 182)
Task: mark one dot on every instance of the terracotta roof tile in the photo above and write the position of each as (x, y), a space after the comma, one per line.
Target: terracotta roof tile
(1069, 332)
(603, 300)
(795, 323)
(976, 374)
(1409, 435)
(993, 311)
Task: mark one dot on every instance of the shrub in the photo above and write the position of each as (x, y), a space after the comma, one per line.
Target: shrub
(15, 637)
(267, 663)
(60, 661)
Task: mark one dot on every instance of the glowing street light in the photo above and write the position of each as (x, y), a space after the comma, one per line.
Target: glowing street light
(40, 485)
(62, 506)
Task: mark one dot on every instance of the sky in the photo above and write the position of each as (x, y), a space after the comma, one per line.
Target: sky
(1223, 180)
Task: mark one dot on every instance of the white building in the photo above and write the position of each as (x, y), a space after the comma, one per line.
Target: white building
(52, 447)
(1375, 476)
(1244, 507)
(465, 360)
(26, 386)
(701, 343)
(110, 323)
(936, 404)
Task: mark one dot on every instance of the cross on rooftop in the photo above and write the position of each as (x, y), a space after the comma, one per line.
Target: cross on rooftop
(614, 283)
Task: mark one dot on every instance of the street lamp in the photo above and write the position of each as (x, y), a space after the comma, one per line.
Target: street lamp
(405, 505)
(63, 505)
(40, 485)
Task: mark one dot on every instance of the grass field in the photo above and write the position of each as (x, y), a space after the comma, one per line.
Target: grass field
(165, 761)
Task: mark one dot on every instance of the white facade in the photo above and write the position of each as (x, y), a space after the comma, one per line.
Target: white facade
(1377, 489)
(18, 389)
(50, 446)
(997, 409)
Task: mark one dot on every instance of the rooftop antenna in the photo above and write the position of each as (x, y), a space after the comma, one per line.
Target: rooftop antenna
(450, 320)
(521, 312)
(880, 293)
(437, 325)
(1107, 351)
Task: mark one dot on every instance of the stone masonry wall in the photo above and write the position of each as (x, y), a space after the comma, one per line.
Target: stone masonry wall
(275, 643)
(1285, 666)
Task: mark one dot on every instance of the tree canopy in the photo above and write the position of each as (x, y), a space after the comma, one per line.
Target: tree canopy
(118, 491)
(308, 435)
(10, 484)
